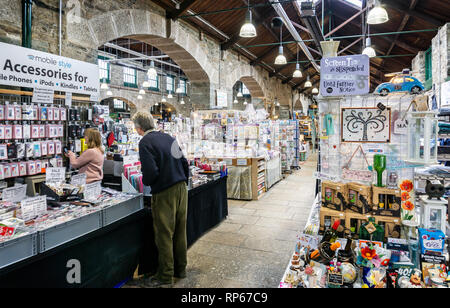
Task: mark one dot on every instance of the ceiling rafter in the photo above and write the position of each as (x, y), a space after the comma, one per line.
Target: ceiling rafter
(184, 6)
(393, 4)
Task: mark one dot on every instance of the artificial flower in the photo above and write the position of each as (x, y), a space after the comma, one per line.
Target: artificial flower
(368, 253)
(405, 196)
(408, 206)
(407, 185)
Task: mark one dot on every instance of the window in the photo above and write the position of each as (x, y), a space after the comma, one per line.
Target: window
(170, 84)
(129, 77)
(154, 83)
(428, 65)
(103, 69)
(397, 80)
(118, 104)
(409, 80)
(182, 85)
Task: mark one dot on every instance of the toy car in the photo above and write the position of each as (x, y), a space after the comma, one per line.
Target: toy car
(400, 84)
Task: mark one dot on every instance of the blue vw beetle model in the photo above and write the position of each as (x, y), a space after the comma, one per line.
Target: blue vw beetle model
(400, 84)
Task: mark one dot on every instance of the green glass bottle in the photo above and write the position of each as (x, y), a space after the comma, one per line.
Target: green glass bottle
(379, 165)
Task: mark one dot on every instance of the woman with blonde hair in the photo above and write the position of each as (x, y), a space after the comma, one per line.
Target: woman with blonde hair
(91, 160)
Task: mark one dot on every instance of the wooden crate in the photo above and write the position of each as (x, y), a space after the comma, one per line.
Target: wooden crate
(359, 198)
(389, 209)
(333, 215)
(330, 195)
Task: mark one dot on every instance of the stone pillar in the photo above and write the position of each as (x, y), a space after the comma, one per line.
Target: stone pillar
(418, 66)
(441, 59)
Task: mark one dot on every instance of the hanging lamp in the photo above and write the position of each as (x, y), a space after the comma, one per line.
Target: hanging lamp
(104, 85)
(315, 91)
(109, 93)
(140, 96)
(142, 91)
(308, 83)
(248, 29)
(297, 73)
(369, 51)
(281, 59)
(377, 15)
(151, 73)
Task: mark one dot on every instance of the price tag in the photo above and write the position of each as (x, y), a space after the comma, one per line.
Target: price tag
(228, 161)
(15, 194)
(69, 99)
(40, 205)
(27, 209)
(92, 191)
(78, 179)
(55, 175)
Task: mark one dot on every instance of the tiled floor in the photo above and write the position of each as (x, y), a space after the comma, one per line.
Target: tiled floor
(253, 246)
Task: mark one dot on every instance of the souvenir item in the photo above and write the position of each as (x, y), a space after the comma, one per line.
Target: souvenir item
(49, 113)
(14, 169)
(58, 147)
(27, 112)
(56, 114)
(366, 125)
(2, 112)
(43, 113)
(7, 171)
(44, 148)
(17, 132)
(29, 150)
(20, 150)
(63, 114)
(3, 151)
(51, 148)
(38, 166)
(354, 174)
(31, 168)
(379, 165)
(2, 132)
(431, 240)
(35, 131)
(12, 150)
(35, 113)
(26, 131)
(37, 149)
(42, 131)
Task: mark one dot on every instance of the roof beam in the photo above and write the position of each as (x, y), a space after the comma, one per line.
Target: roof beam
(351, 45)
(345, 22)
(184, 6)
(393, 4)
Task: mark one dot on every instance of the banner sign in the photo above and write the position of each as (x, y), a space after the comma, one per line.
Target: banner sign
(24, 67)
(347, 75)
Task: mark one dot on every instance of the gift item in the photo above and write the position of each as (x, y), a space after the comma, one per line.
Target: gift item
(359, 198)
(371, 231)
(20, 150)
(51, 148)
(29, 149)
(22, 169)
(7, 171)
(31, 168)
(334, 195)
(14, 169)
(63, 114)
(56, 114)
(354, 174)
(43, 113)
(35, 113)
(2, 132)
(2, 112)
(35, 131)
(27, 112)
(12, 150)
(8, 132)
(434, 271)
(37, 149)
(433, 213)
(3, 152)
(386, 202)
(431, 241)
(58, 147)
(42, 131)
(50, 114)
(26, 131)
(18, 112)
(17, 132)
(44, 150)
(38, 166)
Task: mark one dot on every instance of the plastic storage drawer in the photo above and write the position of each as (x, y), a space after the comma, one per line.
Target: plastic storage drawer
(68, 231)
(18, 249)
(121, 210)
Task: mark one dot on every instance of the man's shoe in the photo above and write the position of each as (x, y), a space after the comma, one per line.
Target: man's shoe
(180, 276)
(152, 282)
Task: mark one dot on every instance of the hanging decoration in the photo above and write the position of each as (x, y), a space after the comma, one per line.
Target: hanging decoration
(357, 175)
(366, 125)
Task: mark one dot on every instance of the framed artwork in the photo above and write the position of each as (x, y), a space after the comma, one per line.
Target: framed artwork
(366, 125)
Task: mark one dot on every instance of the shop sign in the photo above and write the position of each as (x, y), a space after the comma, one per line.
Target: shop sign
(42, 96)
(15, 193)
(347, 75)
(55, 175)
(29, 68)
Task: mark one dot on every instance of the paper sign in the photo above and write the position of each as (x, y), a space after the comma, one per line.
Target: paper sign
(15, 194)
(42, 96)
(401, 127)
(130, 159)
(69, 99)
(55, 175)
(241, 162)
(27, 209)
(92, 190)
(78, 179)
(40, 205)
(306, 240)
(347, 75)
(7, 231)
(221, 98)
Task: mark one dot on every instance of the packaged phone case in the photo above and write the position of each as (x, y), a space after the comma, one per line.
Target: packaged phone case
(7, 171)
(17, 132)
(20, 150)
(35, 113)
(34, 131)
(78, 145)
(43, 113)
(2, 172)
(14, 169)
(44, 164)
(60, 132)
(59, 162)
(26, 131)
(2, 132)
(51, 148)
(22, 169)
(37, 149)
(31, 168)
(56, 114)
(2, 112)
(63, 114)
(18, 112)
(49, 113)
(38, 166)
(11, 149)
(42, 133)
(58, 147)
(10, 112)
(27, 112)
(29, 150)
(44, 148)
(3, 152)
(8, 132)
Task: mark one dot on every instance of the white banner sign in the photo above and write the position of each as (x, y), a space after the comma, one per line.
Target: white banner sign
(42, 96)
(15, 193)
(78, 179)
(24, 67)
(92, 190)
(55, 175)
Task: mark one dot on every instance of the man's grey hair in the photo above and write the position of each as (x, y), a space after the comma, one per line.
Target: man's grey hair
(143, 120)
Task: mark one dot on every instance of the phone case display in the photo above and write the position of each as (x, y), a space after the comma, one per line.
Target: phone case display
(287, 142)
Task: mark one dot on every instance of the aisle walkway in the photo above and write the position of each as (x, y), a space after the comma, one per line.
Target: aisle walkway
(252, 247)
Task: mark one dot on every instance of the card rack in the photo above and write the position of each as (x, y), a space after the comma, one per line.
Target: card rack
(79, 118)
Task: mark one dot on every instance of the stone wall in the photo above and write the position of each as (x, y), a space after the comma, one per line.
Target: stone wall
(87, 24)
(418, 66)
(441, 58)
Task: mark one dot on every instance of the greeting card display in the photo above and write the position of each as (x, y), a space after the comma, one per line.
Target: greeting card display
(366, 125)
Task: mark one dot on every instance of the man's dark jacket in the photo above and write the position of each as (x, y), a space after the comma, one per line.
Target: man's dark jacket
(163, 164)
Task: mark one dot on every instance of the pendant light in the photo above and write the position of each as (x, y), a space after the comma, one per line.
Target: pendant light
(377, 15)
(297, 72)
(104, 85)
(308, 83)
(248, 29)
(236, 101)
(140, 96)
(315, 91)
(182, 101)
(156, 104)
(281, 59)
(245, 102)
(151, 73)
(369, 50)
(240, 94)
(163, 100)
(109, 93)
(142, 91)
(170, 95)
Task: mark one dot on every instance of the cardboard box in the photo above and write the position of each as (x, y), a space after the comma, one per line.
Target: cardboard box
(331, 215)
(334, 195)
(359, 198)
(392, 226)
(386, 201)
(355, 220)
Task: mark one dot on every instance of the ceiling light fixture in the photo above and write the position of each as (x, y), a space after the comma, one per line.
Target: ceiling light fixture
(315, 91)
(104, 86)
(142, 91)
(369, 51)
(170, 95)
(308, 83)
(109, 93)
(182, 102)
(297, 73)
(139, 96)
(248, 29)
(377, 15)
(281, 59)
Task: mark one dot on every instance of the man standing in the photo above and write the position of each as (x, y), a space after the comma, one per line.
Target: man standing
(166, 171)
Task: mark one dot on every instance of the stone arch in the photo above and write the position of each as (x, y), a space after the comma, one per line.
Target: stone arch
(249, 77)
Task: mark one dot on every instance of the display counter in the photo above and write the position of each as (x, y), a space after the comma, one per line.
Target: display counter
(108, 244)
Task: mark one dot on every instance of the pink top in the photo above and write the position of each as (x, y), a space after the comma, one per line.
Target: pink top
(91, 163)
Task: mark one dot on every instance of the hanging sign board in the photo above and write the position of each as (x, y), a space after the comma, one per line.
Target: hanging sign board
(24, 67)
(347, 75)
(221, 97)
(42, 96)
(15, 193)
(445, 94)
(55, 175)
